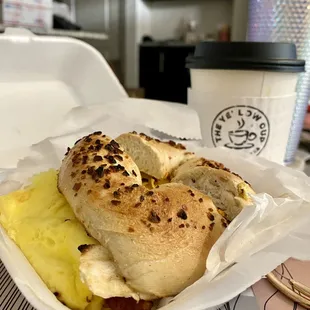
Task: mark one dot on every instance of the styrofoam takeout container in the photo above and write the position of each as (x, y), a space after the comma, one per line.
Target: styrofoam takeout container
(51, 72)
(41, 79)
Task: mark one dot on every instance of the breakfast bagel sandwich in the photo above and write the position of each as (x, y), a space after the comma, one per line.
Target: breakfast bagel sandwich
(153, 243)
(124, 222)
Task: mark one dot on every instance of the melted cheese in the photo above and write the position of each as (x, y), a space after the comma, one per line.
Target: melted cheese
(151, 182)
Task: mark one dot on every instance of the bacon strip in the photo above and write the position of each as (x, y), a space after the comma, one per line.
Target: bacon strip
(118, 303)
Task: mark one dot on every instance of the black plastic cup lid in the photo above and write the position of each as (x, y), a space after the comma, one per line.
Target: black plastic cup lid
(263, 56)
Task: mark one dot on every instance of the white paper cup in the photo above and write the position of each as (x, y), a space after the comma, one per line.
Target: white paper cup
(244, 94)
(255, 125)
(244, 83)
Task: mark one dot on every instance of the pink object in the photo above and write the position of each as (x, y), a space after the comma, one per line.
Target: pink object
(307, 121)
(269, 298)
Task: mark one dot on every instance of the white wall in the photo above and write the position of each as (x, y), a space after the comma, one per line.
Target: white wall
(101, 16)
(144, 18)
(137, 23)
(167, 16)
(131, 43)
(90, 14)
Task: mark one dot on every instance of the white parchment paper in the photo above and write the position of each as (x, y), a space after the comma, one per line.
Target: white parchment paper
(174, 119)
(257, 241)
(165, 118)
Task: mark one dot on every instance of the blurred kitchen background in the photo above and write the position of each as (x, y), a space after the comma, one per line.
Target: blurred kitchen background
(145, 42)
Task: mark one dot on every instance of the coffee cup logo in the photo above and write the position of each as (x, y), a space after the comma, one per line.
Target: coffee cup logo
(241, 138)
(241, 128)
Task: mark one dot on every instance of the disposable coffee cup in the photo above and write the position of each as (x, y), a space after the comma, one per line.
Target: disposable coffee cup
(244, 93)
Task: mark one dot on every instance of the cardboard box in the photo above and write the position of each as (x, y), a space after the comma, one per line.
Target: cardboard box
(135, 92)
(28, 13)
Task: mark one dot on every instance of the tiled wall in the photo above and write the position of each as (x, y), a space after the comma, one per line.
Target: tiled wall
(167, 16)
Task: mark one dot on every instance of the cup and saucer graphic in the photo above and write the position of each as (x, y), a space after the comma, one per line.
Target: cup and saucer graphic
(243, 128)
(240, 139)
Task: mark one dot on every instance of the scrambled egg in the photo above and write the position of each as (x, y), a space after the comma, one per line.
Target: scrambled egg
(42, 224)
